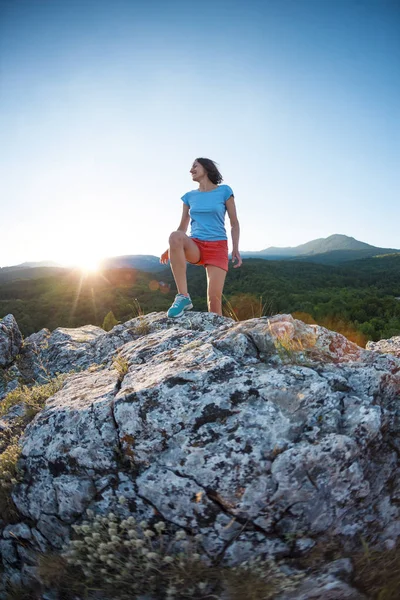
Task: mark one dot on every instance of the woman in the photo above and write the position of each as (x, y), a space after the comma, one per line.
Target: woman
(207, 245)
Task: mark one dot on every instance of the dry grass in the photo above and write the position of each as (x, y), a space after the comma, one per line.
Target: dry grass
(5, 375)
(258, 580)
(338, 324)
(9, 476)
(293, 349)
(55, 573)
(142, 327)
(19, 592)
(137, 310)
(241, 307)
(377, 574)
(121, 365)
(32, 398)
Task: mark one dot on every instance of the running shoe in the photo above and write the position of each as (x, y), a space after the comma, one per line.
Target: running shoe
(181, 303)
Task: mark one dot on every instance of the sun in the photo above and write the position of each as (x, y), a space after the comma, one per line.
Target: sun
(83, 260)
(88, 265)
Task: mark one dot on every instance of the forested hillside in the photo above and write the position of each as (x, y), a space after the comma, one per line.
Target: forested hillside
(360, 299)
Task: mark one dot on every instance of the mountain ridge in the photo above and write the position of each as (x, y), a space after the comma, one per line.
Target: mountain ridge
(335, 242)
(334, 249)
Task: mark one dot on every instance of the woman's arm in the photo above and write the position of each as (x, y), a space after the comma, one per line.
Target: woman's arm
(183, 225)
(235, 230)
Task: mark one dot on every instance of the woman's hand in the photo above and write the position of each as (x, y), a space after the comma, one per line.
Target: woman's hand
(164, 257)
(236, 257)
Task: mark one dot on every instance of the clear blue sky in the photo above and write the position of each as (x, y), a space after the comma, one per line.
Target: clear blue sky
(105, 104)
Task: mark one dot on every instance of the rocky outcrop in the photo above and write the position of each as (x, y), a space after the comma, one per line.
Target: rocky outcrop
(267, 437)
(10, 346)
(391, 346)
(10, 340)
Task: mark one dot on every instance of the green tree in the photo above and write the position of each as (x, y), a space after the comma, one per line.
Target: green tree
(109, 321)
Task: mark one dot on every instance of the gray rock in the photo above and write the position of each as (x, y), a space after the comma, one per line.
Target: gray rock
(32, 363)
(11, 578)
(9, 380)
(324, 587)
(10, 340)
(8, 553)
(29, 576)
(64, 350)
(26, 554)
(40, 542)
(265, 437)
(18, 530)
(391, 346)
(341, 568)
(55, 532)
(11, 418)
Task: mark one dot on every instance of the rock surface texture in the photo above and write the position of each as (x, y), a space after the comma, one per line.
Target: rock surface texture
(10, 340)
(391, 346)
(267, 437)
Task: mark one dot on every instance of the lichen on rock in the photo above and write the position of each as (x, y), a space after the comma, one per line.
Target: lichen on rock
(264, 437)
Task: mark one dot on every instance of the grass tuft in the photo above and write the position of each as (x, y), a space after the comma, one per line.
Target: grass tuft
(241, 307)
(10, 474)
(377, 573)
(293, 349)
(32, 398)
(142, 327)
(121, 365)
(137, 310)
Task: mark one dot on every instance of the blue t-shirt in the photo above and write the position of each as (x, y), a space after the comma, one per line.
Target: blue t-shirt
(207, 213)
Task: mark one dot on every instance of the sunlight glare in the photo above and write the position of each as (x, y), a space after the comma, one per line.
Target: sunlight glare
(88, 264)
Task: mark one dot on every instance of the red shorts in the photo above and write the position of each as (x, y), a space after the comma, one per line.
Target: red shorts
(212, 253)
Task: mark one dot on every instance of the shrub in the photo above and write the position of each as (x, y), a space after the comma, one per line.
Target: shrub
(124, 559)
(109, 321)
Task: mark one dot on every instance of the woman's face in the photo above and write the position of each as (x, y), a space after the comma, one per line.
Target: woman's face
(197, 171)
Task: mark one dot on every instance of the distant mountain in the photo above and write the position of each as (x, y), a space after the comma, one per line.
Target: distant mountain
(35, 270)
(331, 250)
(336, 257)
(43, 263)
(15, 273)
(30, 265)
(143, 262)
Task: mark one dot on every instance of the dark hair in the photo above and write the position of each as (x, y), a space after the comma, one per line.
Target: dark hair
(211, 169)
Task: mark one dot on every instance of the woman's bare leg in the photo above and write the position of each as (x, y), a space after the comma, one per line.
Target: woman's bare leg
(215, 285)
(181, 249)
